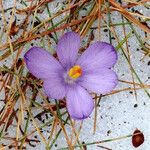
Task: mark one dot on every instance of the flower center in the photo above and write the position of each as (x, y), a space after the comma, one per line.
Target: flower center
(75, 72)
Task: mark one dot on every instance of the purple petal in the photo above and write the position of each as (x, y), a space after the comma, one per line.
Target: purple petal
(55, 87)
(79, 103)
(99, 81)
(40, 63)
(98, 55)
(67, 48)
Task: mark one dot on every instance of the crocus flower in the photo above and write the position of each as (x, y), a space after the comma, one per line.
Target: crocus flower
(74, 77)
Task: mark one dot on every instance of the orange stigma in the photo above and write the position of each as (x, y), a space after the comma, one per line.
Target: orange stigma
(75, 72)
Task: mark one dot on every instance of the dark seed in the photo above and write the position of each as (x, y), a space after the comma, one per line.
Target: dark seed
(136, 105)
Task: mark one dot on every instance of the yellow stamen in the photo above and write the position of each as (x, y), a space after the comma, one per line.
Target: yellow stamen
(75, 72)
